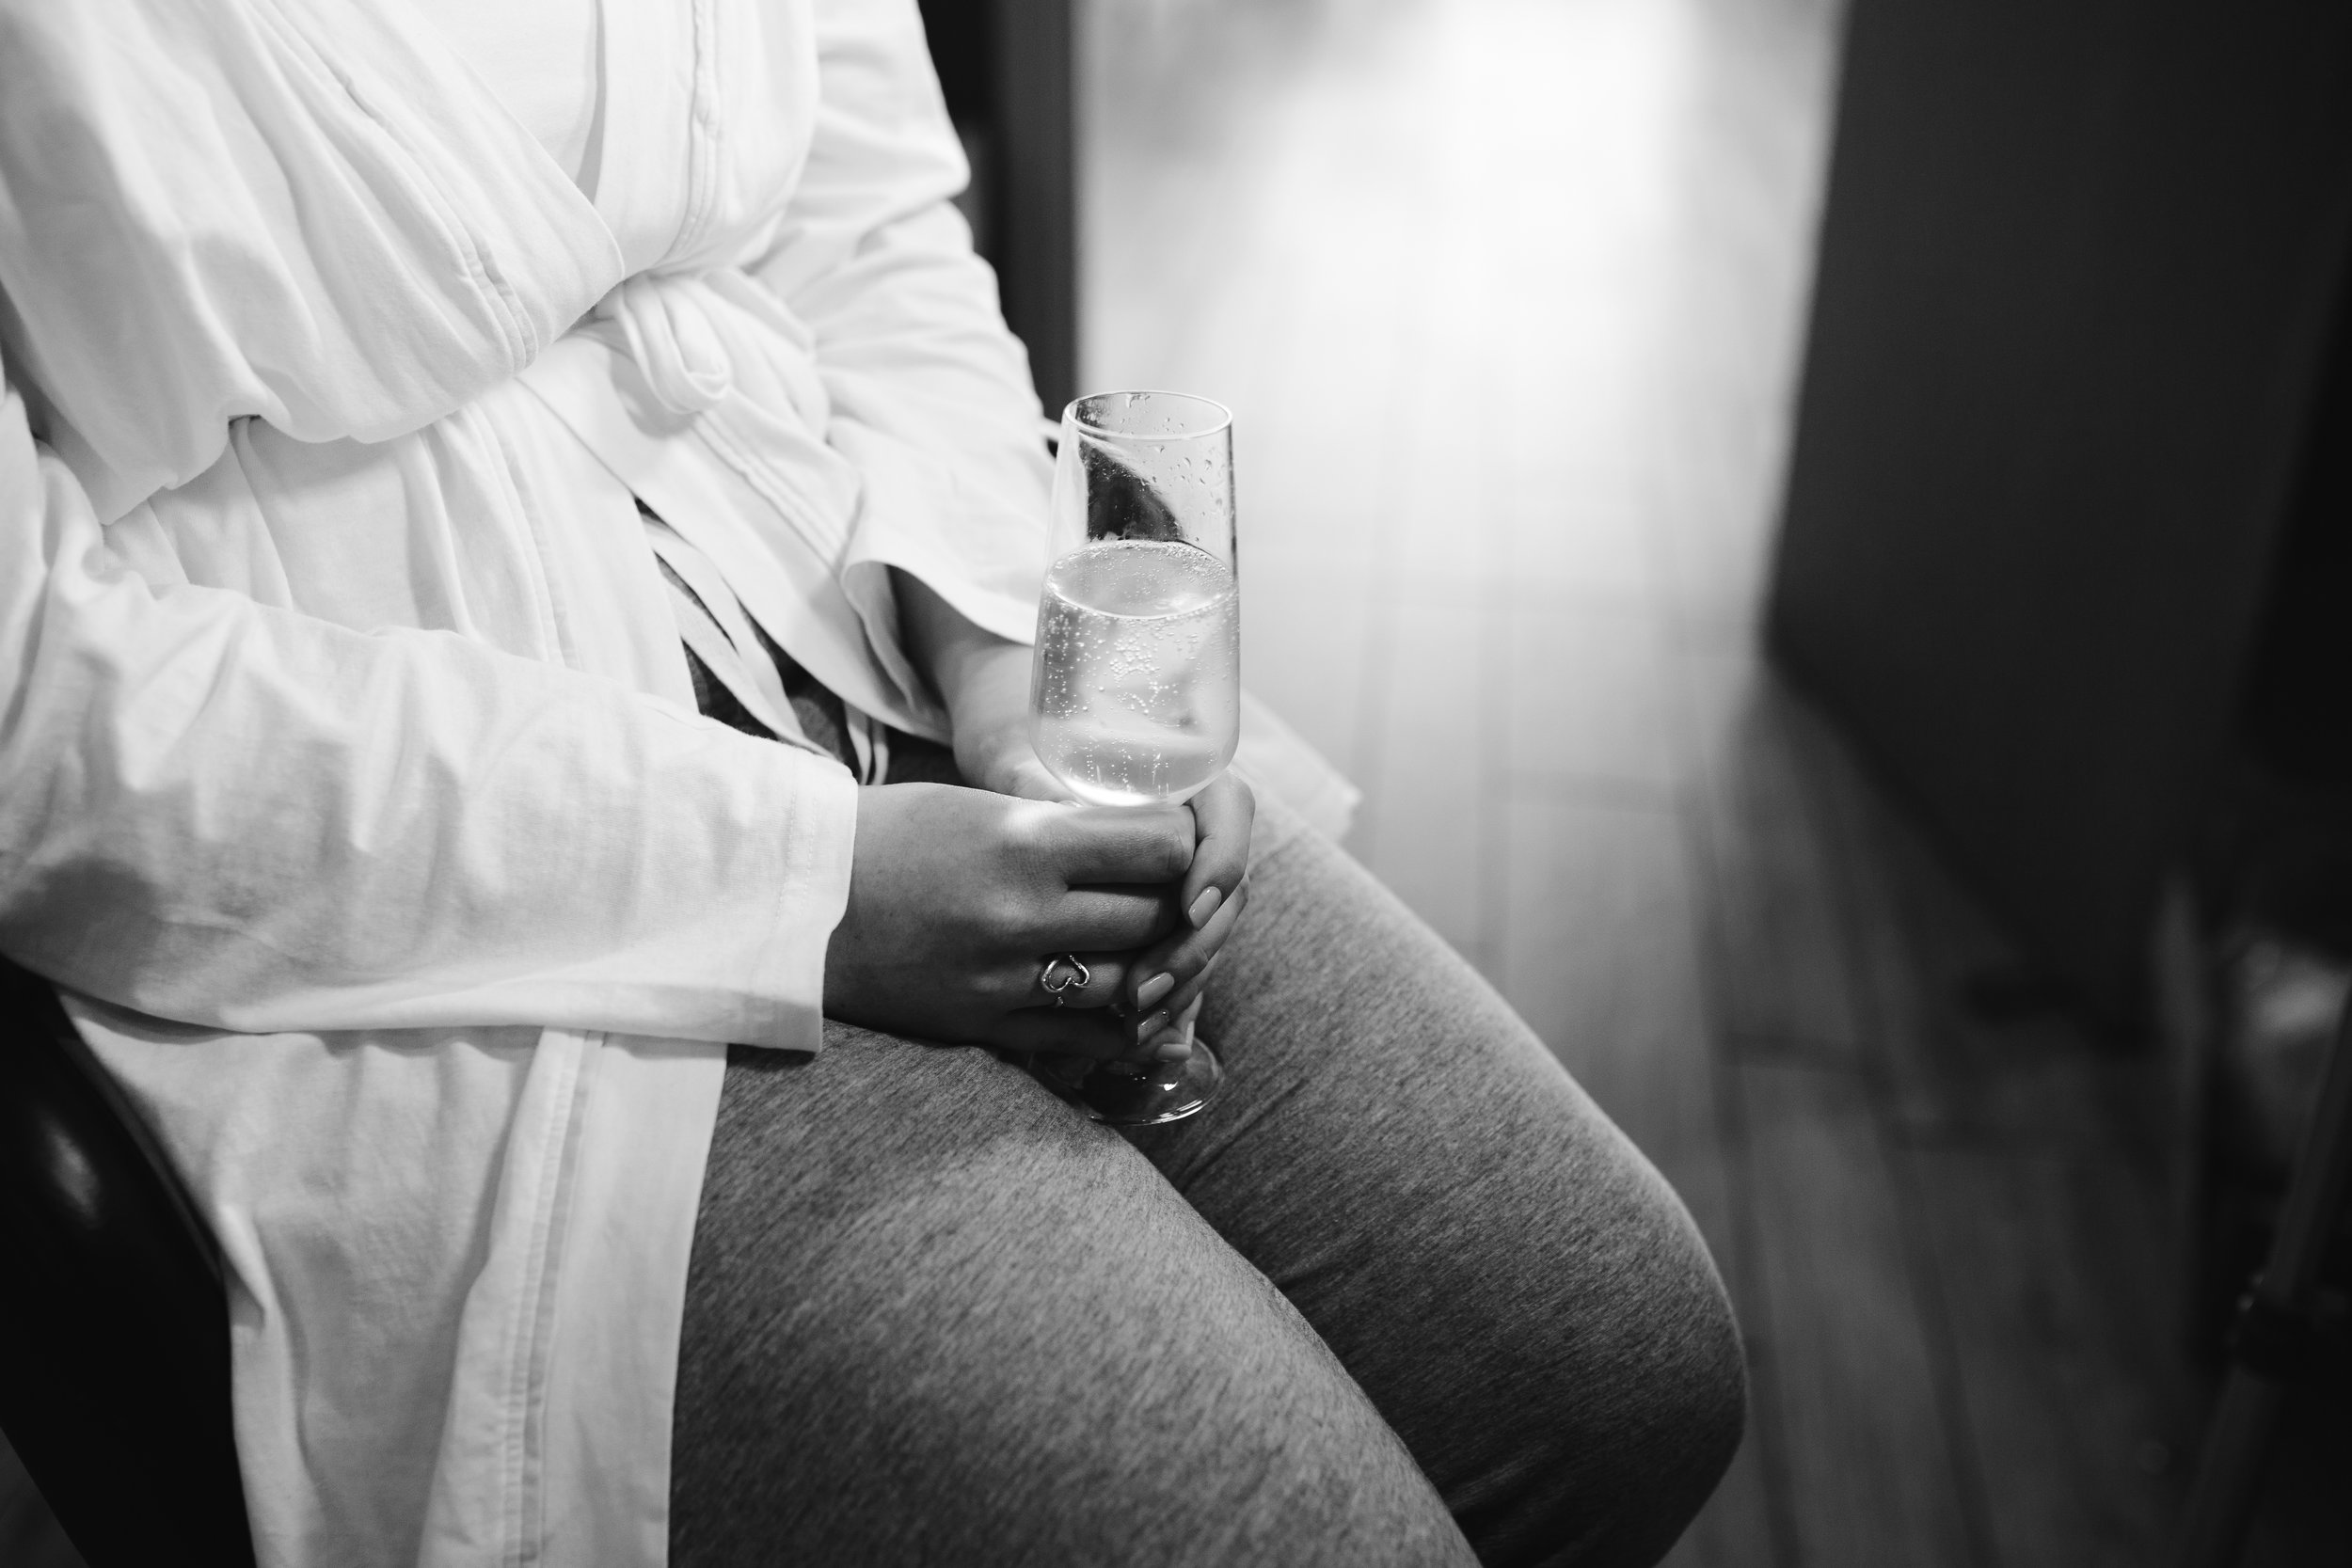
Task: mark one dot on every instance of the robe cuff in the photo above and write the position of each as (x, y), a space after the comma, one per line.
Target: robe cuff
(817, 840)
(982, 552)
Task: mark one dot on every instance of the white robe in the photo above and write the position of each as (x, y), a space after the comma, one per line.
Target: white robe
(342, 721)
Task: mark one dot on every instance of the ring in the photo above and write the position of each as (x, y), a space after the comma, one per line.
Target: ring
(1063, 974)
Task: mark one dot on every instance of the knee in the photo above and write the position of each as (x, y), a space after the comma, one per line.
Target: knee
(1632, 1407)
(1666, 1423)
(1689, 1411)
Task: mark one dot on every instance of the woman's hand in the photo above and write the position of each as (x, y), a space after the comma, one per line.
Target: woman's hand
(959, 897)
(1167, 977)
(984, 682)
(990, 715)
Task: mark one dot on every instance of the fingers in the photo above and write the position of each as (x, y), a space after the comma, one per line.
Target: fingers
(1097, 1033)
(1186, 997)
(1106, 920)
(1133, 845)
(1222, 812)
(1098, 980)
(1163, 973)
(1029, 779)
(1173, 1043)
(1011, 767)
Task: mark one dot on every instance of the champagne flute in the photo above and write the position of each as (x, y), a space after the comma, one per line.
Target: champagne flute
(1135, 694)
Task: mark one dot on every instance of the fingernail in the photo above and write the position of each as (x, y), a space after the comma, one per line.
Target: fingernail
(1149, 993)
(1151, 1025)
(1205, 906)
(1173, 1049)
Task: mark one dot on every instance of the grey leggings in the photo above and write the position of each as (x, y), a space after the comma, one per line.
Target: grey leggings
(1404, 1295)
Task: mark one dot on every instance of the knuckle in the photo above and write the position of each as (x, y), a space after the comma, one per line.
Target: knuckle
(1021, 844)
(1001, 988)
(1006, 914)
(1175, 852)
(1155, 919)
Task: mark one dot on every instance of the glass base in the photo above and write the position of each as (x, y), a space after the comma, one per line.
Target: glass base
(1135, 1094)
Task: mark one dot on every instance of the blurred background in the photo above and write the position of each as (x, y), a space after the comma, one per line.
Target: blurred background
(1823, 534)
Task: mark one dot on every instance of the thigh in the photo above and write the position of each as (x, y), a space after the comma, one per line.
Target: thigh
(1514, 1286)
(934, 1317)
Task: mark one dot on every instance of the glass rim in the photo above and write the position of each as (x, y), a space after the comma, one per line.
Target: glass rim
(1073, 415)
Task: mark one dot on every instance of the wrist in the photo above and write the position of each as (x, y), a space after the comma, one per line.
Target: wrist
(982, 680)
(963, 663)
(991, 729)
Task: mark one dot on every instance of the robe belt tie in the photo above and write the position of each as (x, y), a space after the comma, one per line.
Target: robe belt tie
(670, 338)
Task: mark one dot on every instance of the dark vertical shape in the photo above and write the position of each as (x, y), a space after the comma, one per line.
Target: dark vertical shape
(2078, 263)
(2272, 1350)
(1037, 227)
(2299, 700)
(959, 33)
(115, 1384)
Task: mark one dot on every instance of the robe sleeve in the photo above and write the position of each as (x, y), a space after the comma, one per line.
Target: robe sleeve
(232, 814)
(930, 394)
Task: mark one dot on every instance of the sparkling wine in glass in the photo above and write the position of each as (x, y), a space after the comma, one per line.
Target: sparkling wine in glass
(1136, 685)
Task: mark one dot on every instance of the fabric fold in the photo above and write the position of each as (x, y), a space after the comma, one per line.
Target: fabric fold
(355, 788)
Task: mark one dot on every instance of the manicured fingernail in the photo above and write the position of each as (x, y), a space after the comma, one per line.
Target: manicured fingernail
(1205, 906)
(1151, 1025)
(1173, 1049)
(1149, 993)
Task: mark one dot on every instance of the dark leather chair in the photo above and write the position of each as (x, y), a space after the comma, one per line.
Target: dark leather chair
(114, 1322)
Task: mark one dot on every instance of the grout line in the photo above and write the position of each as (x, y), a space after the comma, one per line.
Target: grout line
(1767, 1401)
(1844, 848)
(1767, 1404)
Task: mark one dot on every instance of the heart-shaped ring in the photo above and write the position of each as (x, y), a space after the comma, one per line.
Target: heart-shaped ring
(1063, 974)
